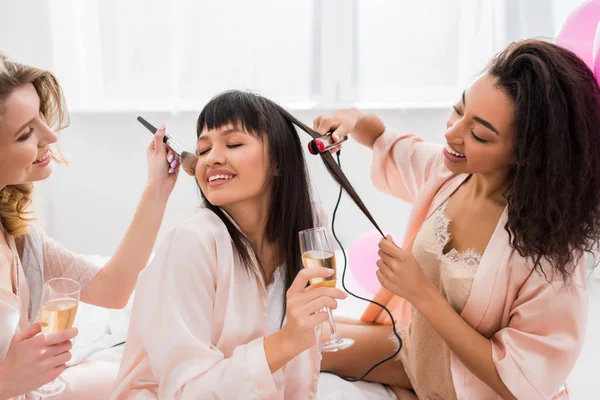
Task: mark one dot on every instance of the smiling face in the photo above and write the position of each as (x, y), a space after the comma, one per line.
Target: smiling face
(479, 132)
(233, 165)
(25, 139)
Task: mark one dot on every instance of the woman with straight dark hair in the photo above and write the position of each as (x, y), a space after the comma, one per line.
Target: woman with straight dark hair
(223, 310)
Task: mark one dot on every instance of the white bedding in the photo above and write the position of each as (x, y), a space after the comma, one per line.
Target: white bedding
(100, 330)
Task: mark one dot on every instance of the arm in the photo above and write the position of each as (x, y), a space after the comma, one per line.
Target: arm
(368, 129)
(545, 330)
(473, 349)
(180, 289)
(112, 286)
(402, 163)
(364, 127)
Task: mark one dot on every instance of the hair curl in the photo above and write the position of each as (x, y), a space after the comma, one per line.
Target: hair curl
(15, 199)
(554, 199)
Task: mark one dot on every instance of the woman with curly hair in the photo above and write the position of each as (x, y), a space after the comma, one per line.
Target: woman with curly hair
(32, 111)
(493, 264)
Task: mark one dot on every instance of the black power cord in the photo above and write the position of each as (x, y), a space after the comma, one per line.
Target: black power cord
(329, 371)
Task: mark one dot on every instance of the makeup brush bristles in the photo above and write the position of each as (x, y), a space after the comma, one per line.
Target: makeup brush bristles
(188, 162)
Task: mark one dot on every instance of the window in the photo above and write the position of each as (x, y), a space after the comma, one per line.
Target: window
(170, 55)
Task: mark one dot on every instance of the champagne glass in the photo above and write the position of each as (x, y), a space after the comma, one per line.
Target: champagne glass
(317, 252)
(59, 307)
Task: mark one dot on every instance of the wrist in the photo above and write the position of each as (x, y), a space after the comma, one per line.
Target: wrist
(280, 349)
(156, 192)
(428, 300)
(286, 344)
(353, 114)
(6, 391)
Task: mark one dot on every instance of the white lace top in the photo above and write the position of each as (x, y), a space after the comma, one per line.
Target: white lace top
(275, 293)
(425, 355)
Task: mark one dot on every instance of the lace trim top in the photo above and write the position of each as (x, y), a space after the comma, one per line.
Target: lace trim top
(425, 355)
(471, 257)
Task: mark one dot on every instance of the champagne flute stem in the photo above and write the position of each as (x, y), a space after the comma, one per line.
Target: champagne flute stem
(332, 328)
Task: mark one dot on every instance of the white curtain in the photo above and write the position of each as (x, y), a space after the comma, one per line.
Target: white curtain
(165, 54)
(423, 53)
(170, 55)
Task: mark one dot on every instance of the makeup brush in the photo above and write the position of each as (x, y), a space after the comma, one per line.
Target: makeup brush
(188, 160)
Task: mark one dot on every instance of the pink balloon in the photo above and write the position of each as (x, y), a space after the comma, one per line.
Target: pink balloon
(362, 259)
(579, 30)
(597, 54)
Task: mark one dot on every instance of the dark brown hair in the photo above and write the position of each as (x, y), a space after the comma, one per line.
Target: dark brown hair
(290, 210)
(554, 199)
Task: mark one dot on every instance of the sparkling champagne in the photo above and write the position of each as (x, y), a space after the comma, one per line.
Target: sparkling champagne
(58, 315)
(317, 259)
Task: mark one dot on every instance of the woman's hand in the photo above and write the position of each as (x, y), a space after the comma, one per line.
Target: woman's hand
(341, 123)
(163, 166)
(305, 307)
(34, 360)
(304, 311)
(400, 273)
(365, 127)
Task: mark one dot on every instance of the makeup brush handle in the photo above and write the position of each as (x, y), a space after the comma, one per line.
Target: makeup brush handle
(173, 145)
(166, 140)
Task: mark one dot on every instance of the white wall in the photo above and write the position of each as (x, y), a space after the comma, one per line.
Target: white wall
(88, 205)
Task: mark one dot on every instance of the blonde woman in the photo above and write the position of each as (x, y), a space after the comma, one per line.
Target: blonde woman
(32, 111)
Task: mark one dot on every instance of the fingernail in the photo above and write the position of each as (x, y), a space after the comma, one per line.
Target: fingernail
(170, 158)
(173, 164)
(345, 295)
(161, 126)
(330, 271)
(336, 137)
(171, 170)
